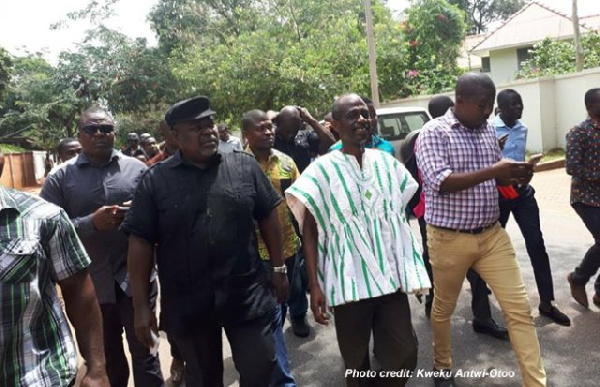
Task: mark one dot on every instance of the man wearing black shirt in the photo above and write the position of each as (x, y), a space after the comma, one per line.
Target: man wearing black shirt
(199, 207)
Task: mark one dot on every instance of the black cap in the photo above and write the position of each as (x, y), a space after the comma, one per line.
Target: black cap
(189, 109)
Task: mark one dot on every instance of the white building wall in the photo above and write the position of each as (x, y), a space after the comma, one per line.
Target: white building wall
(503, 65)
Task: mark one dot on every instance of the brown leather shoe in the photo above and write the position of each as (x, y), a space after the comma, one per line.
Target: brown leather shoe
(578, 292)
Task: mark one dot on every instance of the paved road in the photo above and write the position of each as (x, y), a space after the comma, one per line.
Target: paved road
(571, 354)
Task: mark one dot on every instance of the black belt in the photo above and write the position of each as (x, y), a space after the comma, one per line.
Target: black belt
(474, 231)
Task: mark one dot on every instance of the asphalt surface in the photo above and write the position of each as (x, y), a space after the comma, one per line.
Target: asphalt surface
(570, 354)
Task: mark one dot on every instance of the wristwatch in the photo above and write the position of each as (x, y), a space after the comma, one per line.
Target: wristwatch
(280, 269)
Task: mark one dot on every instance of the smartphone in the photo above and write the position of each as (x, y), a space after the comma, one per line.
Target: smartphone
(503, 137)
(122, 209)
(534, 159)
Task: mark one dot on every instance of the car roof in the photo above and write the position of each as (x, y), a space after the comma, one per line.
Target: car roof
(404, 109)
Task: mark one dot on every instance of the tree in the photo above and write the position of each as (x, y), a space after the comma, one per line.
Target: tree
(480, 13)
(553, 57)
(434, 32)
(6, 64)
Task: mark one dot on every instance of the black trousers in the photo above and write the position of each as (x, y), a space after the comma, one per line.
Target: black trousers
(395, 341)
(201, 347)
(480, 303)
(591, 261)
(115, 318)
(526, 212)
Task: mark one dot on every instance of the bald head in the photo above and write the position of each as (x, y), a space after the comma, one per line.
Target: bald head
(337, 111)
(288, 123)
(473, 85)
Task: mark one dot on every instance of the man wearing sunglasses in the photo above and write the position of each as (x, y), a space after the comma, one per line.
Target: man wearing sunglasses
(94, 189)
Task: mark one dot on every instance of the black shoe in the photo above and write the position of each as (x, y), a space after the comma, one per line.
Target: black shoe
(553, 313)
(300, 327)
(489, 327)
(443, 378)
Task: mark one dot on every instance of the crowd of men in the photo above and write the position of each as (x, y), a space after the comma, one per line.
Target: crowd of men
(238, 232)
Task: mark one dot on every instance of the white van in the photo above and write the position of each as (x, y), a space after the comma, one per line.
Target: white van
(396, 122)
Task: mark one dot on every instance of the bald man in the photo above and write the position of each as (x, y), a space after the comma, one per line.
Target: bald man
(460, 162)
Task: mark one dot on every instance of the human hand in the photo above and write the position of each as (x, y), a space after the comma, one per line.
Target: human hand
(280, 286)
(502, 141)
(108, 218)
(144, 323)
(304, 114)
(318, 305)
(507, 172)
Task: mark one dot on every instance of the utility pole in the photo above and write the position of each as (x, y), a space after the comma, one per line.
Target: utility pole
(372, 62)
(577, 39)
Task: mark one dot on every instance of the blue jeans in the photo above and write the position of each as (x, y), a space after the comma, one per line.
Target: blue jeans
(527, 215)
(282, 374)
(591, 261)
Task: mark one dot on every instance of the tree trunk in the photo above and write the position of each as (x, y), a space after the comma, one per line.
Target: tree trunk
(577, 39)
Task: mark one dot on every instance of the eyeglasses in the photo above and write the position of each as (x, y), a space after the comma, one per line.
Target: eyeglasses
(93, 129)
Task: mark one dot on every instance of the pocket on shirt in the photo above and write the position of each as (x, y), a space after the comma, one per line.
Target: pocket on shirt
(240, 197)
(18, 260)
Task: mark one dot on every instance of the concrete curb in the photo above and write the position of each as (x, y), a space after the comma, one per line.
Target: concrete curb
(549, 165)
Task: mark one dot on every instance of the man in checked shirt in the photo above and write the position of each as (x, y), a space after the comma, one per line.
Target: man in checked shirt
(460, 162)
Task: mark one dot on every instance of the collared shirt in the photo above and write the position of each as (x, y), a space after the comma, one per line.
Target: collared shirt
(514, 148)
(377, 143)
(81, 188)
(583, 162)
(306, 143)
(445, 146)
(365, 246)
(203, 222)
(38, 247)
(230, 145)
(282, 172)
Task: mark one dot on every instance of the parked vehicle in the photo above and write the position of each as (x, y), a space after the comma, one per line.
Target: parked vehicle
(396, 122)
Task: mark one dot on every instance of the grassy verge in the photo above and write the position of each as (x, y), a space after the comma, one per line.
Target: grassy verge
(551, 155)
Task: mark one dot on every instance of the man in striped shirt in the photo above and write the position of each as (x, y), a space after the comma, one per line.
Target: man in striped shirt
(361, 255)
(40, 248)
(460, 162)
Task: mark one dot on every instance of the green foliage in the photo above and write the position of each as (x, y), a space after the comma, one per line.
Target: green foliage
(434, 31)
(5, 71)
(553, 57)
(38, 104)
(480, 13)
(9, 148)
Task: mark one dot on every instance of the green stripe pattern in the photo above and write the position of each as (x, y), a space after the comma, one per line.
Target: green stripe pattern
(39, 246)
(366, 248)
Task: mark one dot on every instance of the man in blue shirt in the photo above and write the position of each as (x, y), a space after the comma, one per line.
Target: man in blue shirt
(524, 207)
(374, 141)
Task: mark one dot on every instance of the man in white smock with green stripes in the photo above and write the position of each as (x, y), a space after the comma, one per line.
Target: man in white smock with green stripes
(361, 255)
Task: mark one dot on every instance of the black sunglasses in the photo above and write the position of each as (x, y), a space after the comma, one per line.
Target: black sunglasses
(93, 129)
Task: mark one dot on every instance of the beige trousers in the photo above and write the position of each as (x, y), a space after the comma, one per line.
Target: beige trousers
(492, 255)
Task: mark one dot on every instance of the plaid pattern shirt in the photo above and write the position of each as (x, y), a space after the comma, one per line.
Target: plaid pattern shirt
(39, 247)
(445, 146)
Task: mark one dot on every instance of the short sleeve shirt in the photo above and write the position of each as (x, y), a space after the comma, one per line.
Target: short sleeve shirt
(203, 220)
(38, 247)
